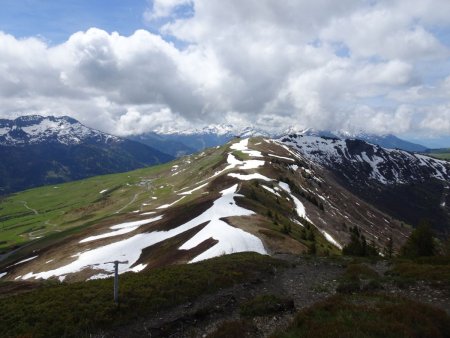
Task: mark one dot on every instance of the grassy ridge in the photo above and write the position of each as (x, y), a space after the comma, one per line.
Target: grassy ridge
(442, 154)
(78, 309)
(37, 213)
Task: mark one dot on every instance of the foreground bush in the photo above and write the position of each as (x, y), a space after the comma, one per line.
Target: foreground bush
(362, 316)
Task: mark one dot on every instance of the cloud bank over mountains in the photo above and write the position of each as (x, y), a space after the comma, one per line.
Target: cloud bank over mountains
(378, 66)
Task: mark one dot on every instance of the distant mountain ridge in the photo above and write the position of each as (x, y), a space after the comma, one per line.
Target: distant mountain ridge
(199, 139)
(35, 129)
(37, 150)
(386, 166)
(188, 141)
(405, 185)
(389, 141)
(218, 129)
(392, 142)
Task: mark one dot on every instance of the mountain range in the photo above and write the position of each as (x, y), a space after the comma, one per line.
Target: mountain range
(290, 195)
(187, 141)
(407, 186)
(37, 150)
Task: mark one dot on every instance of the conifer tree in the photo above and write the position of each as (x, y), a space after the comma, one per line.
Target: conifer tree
(420, 243)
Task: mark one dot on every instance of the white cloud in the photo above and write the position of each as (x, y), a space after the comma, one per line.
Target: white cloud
(438, 120)
(163, 8)
(380, 66)
(148, 118)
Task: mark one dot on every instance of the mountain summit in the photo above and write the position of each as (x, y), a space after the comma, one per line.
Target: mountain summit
(35, 129)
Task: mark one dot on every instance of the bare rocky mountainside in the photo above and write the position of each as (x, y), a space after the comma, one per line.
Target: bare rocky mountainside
(405, 185)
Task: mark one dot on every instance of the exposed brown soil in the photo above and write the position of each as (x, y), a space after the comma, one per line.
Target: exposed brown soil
(176, 216)
(12, 288)
(274, 242)
(167, 252)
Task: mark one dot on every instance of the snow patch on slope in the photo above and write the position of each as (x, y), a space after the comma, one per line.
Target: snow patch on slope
(249, 177)
(330, 239)
(271, 190)
(25, 260)
(130, 249)
(299, 207)
(123, 228)
(165, 206)
(243, 146)
(195, 189)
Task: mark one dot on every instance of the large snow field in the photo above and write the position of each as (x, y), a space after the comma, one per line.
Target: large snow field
(130, 249)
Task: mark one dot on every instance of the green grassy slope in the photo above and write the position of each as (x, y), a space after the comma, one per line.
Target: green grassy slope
(442, 154)
(35, 214)
(40, 219)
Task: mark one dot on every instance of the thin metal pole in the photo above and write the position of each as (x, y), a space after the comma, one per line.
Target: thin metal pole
(116, 279)
(116, 282)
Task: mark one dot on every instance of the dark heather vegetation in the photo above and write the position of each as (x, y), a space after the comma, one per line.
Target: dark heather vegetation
(235, 329)
(359, 277)
(359, 300)
(80, 309)
(369, 315)
(434, 270)
(265, 304)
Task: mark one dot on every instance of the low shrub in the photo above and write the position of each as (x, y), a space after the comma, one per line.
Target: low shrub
(266, 304)
(234, 329)
(363, 315)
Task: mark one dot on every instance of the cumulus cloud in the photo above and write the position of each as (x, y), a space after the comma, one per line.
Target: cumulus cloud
(379, 66)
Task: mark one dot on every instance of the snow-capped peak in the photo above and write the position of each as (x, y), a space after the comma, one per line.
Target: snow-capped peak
(35, 129)
(217, 129)
(360, 160)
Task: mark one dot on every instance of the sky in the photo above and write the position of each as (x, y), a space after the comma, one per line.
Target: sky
(129, 67)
